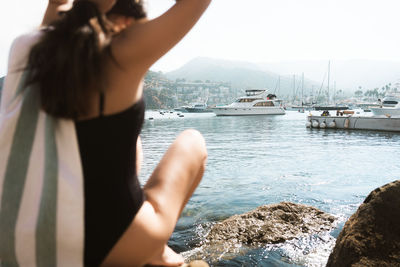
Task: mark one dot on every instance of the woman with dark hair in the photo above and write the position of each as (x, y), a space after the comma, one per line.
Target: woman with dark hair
(87, 66)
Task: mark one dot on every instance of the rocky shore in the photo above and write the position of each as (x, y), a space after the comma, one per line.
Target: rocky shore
(371, 237)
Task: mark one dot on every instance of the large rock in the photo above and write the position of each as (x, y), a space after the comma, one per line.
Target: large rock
(371, 237)
(269, 224)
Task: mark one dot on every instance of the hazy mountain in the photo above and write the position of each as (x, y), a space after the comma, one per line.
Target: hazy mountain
(348, 74)
(241, 75)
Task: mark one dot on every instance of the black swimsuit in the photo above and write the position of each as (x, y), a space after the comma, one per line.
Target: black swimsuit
(113, 194)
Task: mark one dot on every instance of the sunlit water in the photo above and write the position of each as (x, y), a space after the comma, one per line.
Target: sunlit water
(257, 160)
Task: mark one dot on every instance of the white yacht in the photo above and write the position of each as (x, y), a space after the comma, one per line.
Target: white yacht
(390, 107)
(256, 102)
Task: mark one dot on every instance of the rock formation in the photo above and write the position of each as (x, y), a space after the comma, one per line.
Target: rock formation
(269, 224)
(371, 237)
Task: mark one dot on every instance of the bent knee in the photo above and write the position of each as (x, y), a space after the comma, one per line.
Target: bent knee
(192, 141)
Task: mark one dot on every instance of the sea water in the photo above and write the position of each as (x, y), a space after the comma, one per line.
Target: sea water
(258, 160)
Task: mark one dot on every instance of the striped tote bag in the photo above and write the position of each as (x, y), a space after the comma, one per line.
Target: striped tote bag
(41, 180)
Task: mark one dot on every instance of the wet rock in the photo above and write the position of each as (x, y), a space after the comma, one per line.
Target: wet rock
(269, 224)
(371, 237)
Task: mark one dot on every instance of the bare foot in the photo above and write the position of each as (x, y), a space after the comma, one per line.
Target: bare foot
(167, 258)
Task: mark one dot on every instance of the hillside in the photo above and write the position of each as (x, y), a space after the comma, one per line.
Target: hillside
(348, 75)
(159, 92)
(242, 75)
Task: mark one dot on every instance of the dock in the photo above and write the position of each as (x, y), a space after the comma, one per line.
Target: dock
(351, 122)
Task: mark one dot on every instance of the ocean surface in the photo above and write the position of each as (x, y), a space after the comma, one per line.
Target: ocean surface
(258, 160)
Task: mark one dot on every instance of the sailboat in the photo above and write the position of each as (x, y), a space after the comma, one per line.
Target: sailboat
(304, 105)
(329, 106)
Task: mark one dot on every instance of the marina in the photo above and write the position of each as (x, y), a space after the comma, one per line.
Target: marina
(217, 133)
(258, 160)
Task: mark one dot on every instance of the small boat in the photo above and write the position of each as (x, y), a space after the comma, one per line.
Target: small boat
(256, 102)
(181, 109)
(198, 108)
(300, 108)
(331, 107)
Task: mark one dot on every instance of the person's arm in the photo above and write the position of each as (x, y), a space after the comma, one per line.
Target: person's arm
(143, 43)
(53, 9)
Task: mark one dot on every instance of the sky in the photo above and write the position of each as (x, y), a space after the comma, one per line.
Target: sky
(257, 30)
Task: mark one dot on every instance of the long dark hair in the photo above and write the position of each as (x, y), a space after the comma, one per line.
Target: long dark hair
(66, 64)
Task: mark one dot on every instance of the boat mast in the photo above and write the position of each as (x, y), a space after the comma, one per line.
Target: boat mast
(279, 83)
(312, 95)
(302, 89)
(329, 74)
(294, 88)
(334, 92)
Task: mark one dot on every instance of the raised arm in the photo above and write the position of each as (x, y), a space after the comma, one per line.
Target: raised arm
(53, 9)
(143, 43)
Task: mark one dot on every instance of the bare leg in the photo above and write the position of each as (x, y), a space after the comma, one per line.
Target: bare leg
(184, 143)
(168, 256)
(177, 175)
(167, 191)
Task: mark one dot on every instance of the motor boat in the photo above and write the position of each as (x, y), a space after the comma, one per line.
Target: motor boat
(256, 102)
(198, 108)
(390, 107)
